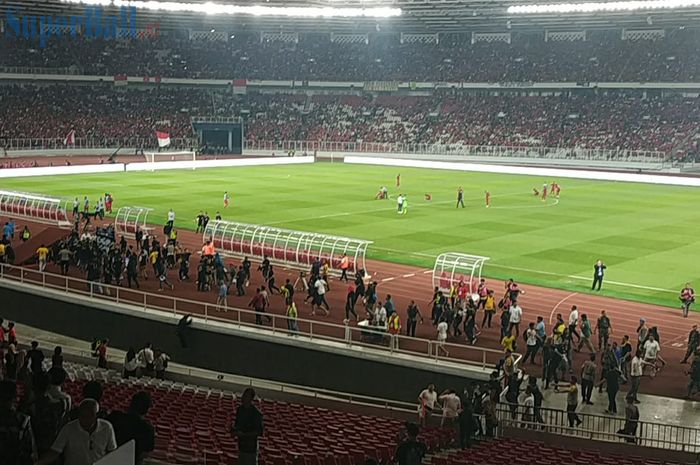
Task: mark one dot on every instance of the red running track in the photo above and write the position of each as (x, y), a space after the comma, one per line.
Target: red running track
(407, 283)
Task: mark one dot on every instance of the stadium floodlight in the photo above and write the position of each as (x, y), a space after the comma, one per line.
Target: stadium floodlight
(602, 7)
(211, 8)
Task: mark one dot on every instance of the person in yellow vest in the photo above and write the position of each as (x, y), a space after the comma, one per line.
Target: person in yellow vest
(173, 235)
(453, 294)
(325, 270)
(2, 253)
(344, 265)
(394, 326)
(508, 342)
(489, 310)
(42, 252)
(26, 234)
(292, 323)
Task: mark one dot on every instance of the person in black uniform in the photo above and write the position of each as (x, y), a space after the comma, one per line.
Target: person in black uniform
(460, 197)
(598, 273)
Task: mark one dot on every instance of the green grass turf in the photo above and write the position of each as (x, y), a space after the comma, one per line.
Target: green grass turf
(646, 234)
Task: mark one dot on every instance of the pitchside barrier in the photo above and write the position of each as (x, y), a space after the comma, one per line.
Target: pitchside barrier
(531, 171)
(129, 219)
(157, 166)
(297, 249)
(35, 207)
(452, 268)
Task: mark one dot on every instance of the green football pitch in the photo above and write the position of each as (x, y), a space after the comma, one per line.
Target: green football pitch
(646, 234)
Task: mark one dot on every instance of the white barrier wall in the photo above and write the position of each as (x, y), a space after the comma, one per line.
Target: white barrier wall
(550, 162)
(166, 165)
(59, 170)
(190, 164)
(531, 171)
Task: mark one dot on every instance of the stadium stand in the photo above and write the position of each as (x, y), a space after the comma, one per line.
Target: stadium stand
(294, 433)
(604, 56)
(107, 115)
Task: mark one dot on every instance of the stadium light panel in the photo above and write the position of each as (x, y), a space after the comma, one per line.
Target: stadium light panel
(602, 7)
(211, 8)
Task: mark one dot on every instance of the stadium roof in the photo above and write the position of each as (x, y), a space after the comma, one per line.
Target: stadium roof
(419, 16)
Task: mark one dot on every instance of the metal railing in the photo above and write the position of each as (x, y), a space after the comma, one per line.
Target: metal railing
(311, 331)
(92, 143)
(69, 71)
(604, 428)
(553, 153)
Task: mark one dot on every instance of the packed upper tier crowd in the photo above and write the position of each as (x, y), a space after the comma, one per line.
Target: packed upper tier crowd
(591, 120)
(604, 56)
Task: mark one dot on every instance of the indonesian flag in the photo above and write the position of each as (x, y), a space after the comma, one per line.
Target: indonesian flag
(163, 139)
(70, 138)
(239, 86)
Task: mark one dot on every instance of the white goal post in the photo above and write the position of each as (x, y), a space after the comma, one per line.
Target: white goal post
(157, 157)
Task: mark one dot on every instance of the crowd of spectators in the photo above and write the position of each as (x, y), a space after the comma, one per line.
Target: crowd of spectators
(40, 422)
(610, 120)
(604, 56)
(98, 112)
(585, 121)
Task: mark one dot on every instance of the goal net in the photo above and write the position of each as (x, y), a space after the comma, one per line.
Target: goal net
(158, 157)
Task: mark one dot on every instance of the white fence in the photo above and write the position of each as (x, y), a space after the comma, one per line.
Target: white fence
(91, 143)
(310, 331)
(495, 151)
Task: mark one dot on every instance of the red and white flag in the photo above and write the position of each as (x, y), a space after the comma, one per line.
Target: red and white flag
(240, 86)
(70, 138)
(163, 139)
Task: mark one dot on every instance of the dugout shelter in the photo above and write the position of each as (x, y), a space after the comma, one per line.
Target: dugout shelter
(295, 249)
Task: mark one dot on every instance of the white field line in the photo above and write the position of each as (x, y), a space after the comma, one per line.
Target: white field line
(554, 309)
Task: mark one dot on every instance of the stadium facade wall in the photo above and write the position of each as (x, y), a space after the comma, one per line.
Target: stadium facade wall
(267, 356)
(529, 171)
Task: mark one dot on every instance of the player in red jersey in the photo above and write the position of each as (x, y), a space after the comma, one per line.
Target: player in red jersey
(398, 180)
(487, 195)
(544, 192)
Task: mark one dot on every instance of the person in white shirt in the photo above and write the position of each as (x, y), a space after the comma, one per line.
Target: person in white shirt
(399, 203)
(146, 358)
(380, 317)
(636, 373)
(83, 441)
(131, 363)
(442, 329)
(527, 400)
(321, 287)
(451, 405)
(427, 401)
(55, 393)
(573, 323)
(651, 350)
(171, 217)
(532, 342)
(516, 314)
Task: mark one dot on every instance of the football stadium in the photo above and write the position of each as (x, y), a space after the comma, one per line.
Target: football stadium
(349, 233)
